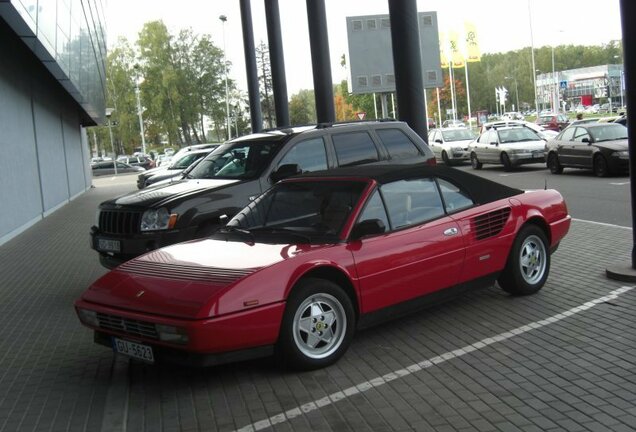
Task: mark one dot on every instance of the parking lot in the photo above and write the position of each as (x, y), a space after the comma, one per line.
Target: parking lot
(563, 359)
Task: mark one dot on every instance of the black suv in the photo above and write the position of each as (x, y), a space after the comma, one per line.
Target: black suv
(236, 173)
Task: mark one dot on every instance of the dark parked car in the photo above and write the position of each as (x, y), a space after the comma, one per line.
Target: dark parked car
(599, 146)
(108, 168)
(174, 169)
(237, 172)
(317, 257)
(555, 122)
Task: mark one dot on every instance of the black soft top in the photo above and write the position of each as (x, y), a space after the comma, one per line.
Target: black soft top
(481, 190)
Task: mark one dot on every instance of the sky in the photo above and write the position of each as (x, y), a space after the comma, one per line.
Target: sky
(502, 25)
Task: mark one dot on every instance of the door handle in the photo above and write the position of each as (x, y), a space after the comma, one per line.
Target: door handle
(450, 232)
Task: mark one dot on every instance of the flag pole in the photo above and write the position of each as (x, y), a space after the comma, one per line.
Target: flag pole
(452, 88)
(439, 109)
(470, 122)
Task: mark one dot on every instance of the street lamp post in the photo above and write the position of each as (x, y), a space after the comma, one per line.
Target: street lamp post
(109, 112)
(139, 114)
(223, 19)
(534, 67)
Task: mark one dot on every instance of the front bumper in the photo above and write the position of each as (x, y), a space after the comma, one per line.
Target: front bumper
(529, 157)
(133, 245)
(234, 337)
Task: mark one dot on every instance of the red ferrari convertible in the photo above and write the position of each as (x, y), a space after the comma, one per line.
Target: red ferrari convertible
(320, 255)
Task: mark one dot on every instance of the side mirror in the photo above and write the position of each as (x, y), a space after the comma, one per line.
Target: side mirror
(367, 227)
(586, 140)
(494, 143)
(285, 171)
(438, 141)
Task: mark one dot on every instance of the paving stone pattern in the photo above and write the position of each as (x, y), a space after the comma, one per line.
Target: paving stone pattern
(577, 374)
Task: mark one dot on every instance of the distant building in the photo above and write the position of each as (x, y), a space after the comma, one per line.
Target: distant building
(583, 86)
(52, 85)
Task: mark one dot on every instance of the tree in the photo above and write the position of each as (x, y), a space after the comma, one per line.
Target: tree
(302, 108)
(265, 84)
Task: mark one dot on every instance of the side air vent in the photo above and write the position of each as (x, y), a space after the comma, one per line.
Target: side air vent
(490, 224)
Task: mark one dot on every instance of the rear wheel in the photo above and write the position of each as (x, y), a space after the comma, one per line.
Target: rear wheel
(600, 166)
(528, 263)
(505, 161)
(474, 162)
(554, 165)
(318, 325)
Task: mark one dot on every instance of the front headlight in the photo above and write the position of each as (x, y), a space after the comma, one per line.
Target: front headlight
(97, 218)
(457, 149)
(88, 317)
(172, 334)
(158, 219)
(621, 154)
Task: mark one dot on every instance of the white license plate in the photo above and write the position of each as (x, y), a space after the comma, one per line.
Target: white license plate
(108, 245)
(133, 349)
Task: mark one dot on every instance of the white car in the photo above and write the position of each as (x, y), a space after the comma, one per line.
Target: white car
(509, 146)
(544, 133)
(450, 144)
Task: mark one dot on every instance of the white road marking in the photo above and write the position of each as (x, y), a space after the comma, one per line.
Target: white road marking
(602, 224)
(620, 184)
(425, 364)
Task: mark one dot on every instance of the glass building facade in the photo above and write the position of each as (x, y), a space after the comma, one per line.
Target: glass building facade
(68, 37)
(583, 86)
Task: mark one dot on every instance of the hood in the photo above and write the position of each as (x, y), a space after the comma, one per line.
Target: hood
(617, 145)
(153, 171)
(163, 194)
(164, 175)
(179, 280)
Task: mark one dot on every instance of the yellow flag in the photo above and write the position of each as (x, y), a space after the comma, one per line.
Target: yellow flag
(472, 45)
(443, 59)
(455, 53)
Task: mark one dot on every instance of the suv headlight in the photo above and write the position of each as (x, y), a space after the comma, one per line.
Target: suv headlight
(158, 219)
(621, 154)
(97, 217)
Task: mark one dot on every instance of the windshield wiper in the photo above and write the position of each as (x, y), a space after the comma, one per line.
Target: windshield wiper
(232, 229)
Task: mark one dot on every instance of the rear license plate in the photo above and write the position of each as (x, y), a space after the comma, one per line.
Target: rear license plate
(134, 350)
(108, 245)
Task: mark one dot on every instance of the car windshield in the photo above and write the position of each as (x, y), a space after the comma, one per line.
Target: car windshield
(237, 160)
(186, 161)
(457, 135)
(608, 132)
(515, 135)
(306, 211)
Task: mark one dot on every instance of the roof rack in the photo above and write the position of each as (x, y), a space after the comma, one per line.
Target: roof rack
(346, 122)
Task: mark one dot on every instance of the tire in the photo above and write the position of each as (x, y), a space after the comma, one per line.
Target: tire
(554, 165)
(505, 161)
(474, 162)
(601, 169)
(528, 263)
(310, 340)
(445, 158)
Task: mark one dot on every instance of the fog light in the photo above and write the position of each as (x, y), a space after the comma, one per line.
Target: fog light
(172, 334)
(88, 317)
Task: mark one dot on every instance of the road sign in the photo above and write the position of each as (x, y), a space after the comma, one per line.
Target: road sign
(563, 85)
(361, 115)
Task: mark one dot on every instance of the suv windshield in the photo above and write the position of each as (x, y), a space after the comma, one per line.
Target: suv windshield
(303, 210)
(237, 160)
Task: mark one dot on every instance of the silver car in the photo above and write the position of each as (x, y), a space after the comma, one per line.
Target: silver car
(508, 146)
(450, 144)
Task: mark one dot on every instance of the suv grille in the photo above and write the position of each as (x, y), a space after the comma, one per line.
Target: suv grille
(128, 326)
(490, 224)
(119, 222)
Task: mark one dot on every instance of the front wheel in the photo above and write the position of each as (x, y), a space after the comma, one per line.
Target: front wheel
(554, 165)
(445, 158)
(505, 161)
(317, 327)
(474, 162)
(600, 166)
(528, 263)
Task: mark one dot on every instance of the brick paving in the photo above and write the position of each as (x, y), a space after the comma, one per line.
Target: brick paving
(576, 374)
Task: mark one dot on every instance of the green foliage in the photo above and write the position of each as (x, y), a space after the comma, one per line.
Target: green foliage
(302, 108)
(182, 86)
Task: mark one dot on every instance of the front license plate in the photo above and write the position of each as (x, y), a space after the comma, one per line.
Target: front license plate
(108, 245)
(134, 350)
